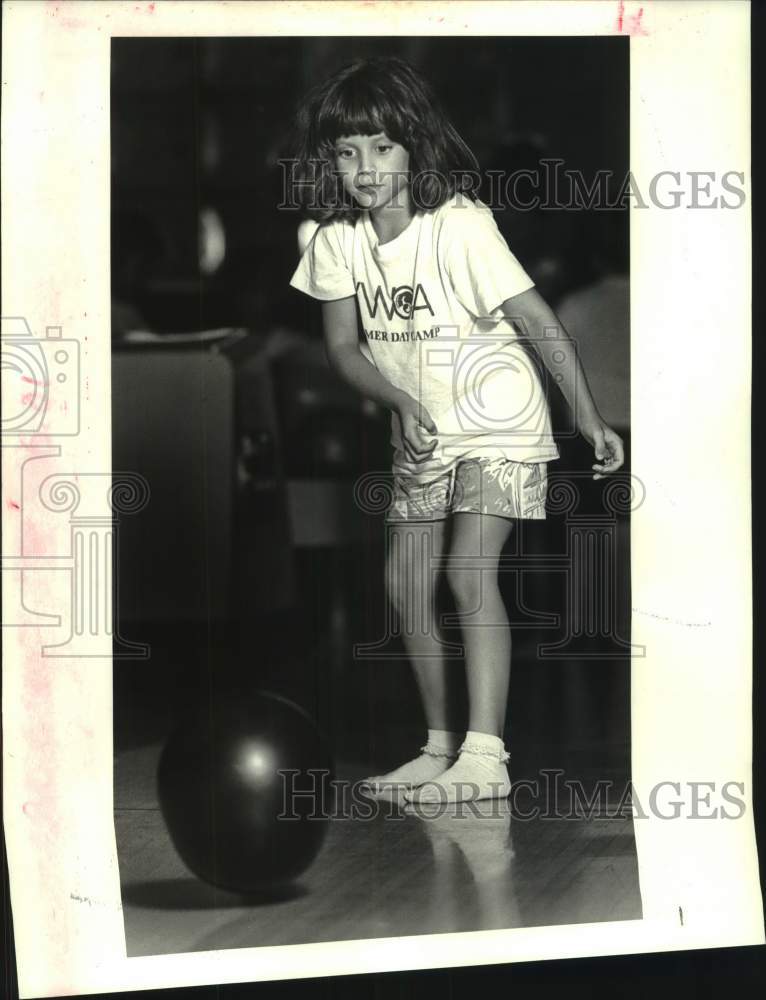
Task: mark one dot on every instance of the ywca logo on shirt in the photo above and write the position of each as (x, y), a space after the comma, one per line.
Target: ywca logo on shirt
(404, 301)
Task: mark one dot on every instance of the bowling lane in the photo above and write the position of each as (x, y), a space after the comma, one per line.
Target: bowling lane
(394, 874)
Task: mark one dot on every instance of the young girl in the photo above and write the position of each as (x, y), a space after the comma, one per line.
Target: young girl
(446, 315)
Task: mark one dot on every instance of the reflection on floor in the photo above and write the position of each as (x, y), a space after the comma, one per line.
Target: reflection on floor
(568, 719)
(397, 873)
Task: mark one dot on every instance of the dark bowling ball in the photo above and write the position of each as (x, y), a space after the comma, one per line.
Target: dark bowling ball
(238, 814)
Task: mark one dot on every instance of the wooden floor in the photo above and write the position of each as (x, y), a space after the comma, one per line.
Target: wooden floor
(397, 874)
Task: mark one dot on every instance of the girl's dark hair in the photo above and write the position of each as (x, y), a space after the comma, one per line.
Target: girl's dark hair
(384, 94)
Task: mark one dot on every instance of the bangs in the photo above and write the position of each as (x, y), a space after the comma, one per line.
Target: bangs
(370, 97)
(356, 108)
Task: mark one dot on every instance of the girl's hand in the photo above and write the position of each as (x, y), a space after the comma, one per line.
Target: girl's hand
(607, 445)
(416, 423)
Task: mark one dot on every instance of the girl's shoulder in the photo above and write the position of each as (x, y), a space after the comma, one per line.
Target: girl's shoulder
(461, 215)
(340, 224)
(306, 231)
(333, 233)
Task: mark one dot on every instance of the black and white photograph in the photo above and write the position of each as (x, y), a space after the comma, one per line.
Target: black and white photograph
(355, 295)
(367, 613)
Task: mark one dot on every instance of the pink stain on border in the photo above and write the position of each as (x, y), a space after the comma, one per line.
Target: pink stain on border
(630, 25)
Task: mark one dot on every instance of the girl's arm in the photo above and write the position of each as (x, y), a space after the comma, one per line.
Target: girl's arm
(346, 359)
(535, 316)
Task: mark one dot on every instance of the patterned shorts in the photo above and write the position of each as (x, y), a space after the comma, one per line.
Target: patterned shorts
(479, 485)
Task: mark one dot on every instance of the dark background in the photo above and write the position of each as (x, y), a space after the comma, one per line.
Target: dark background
(251, 561)
(706, 972)
(204, 122)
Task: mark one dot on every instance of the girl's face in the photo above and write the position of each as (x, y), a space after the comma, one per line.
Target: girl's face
(374, 170)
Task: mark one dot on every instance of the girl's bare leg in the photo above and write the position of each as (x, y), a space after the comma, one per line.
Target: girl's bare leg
(412, 586)
(477, 542)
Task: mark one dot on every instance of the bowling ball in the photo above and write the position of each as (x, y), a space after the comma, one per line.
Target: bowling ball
(244, 791)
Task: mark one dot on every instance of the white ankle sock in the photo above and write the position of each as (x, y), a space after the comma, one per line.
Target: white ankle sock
(440, 750)
(485, 745)
(480, 772)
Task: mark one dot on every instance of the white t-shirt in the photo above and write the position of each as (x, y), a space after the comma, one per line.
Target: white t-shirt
(429, 303)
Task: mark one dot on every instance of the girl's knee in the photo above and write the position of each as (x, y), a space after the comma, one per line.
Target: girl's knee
(411, 570)
(394, 585)
(465, 585)
(409, 586)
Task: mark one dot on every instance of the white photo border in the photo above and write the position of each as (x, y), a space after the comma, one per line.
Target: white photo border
(690, 544)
